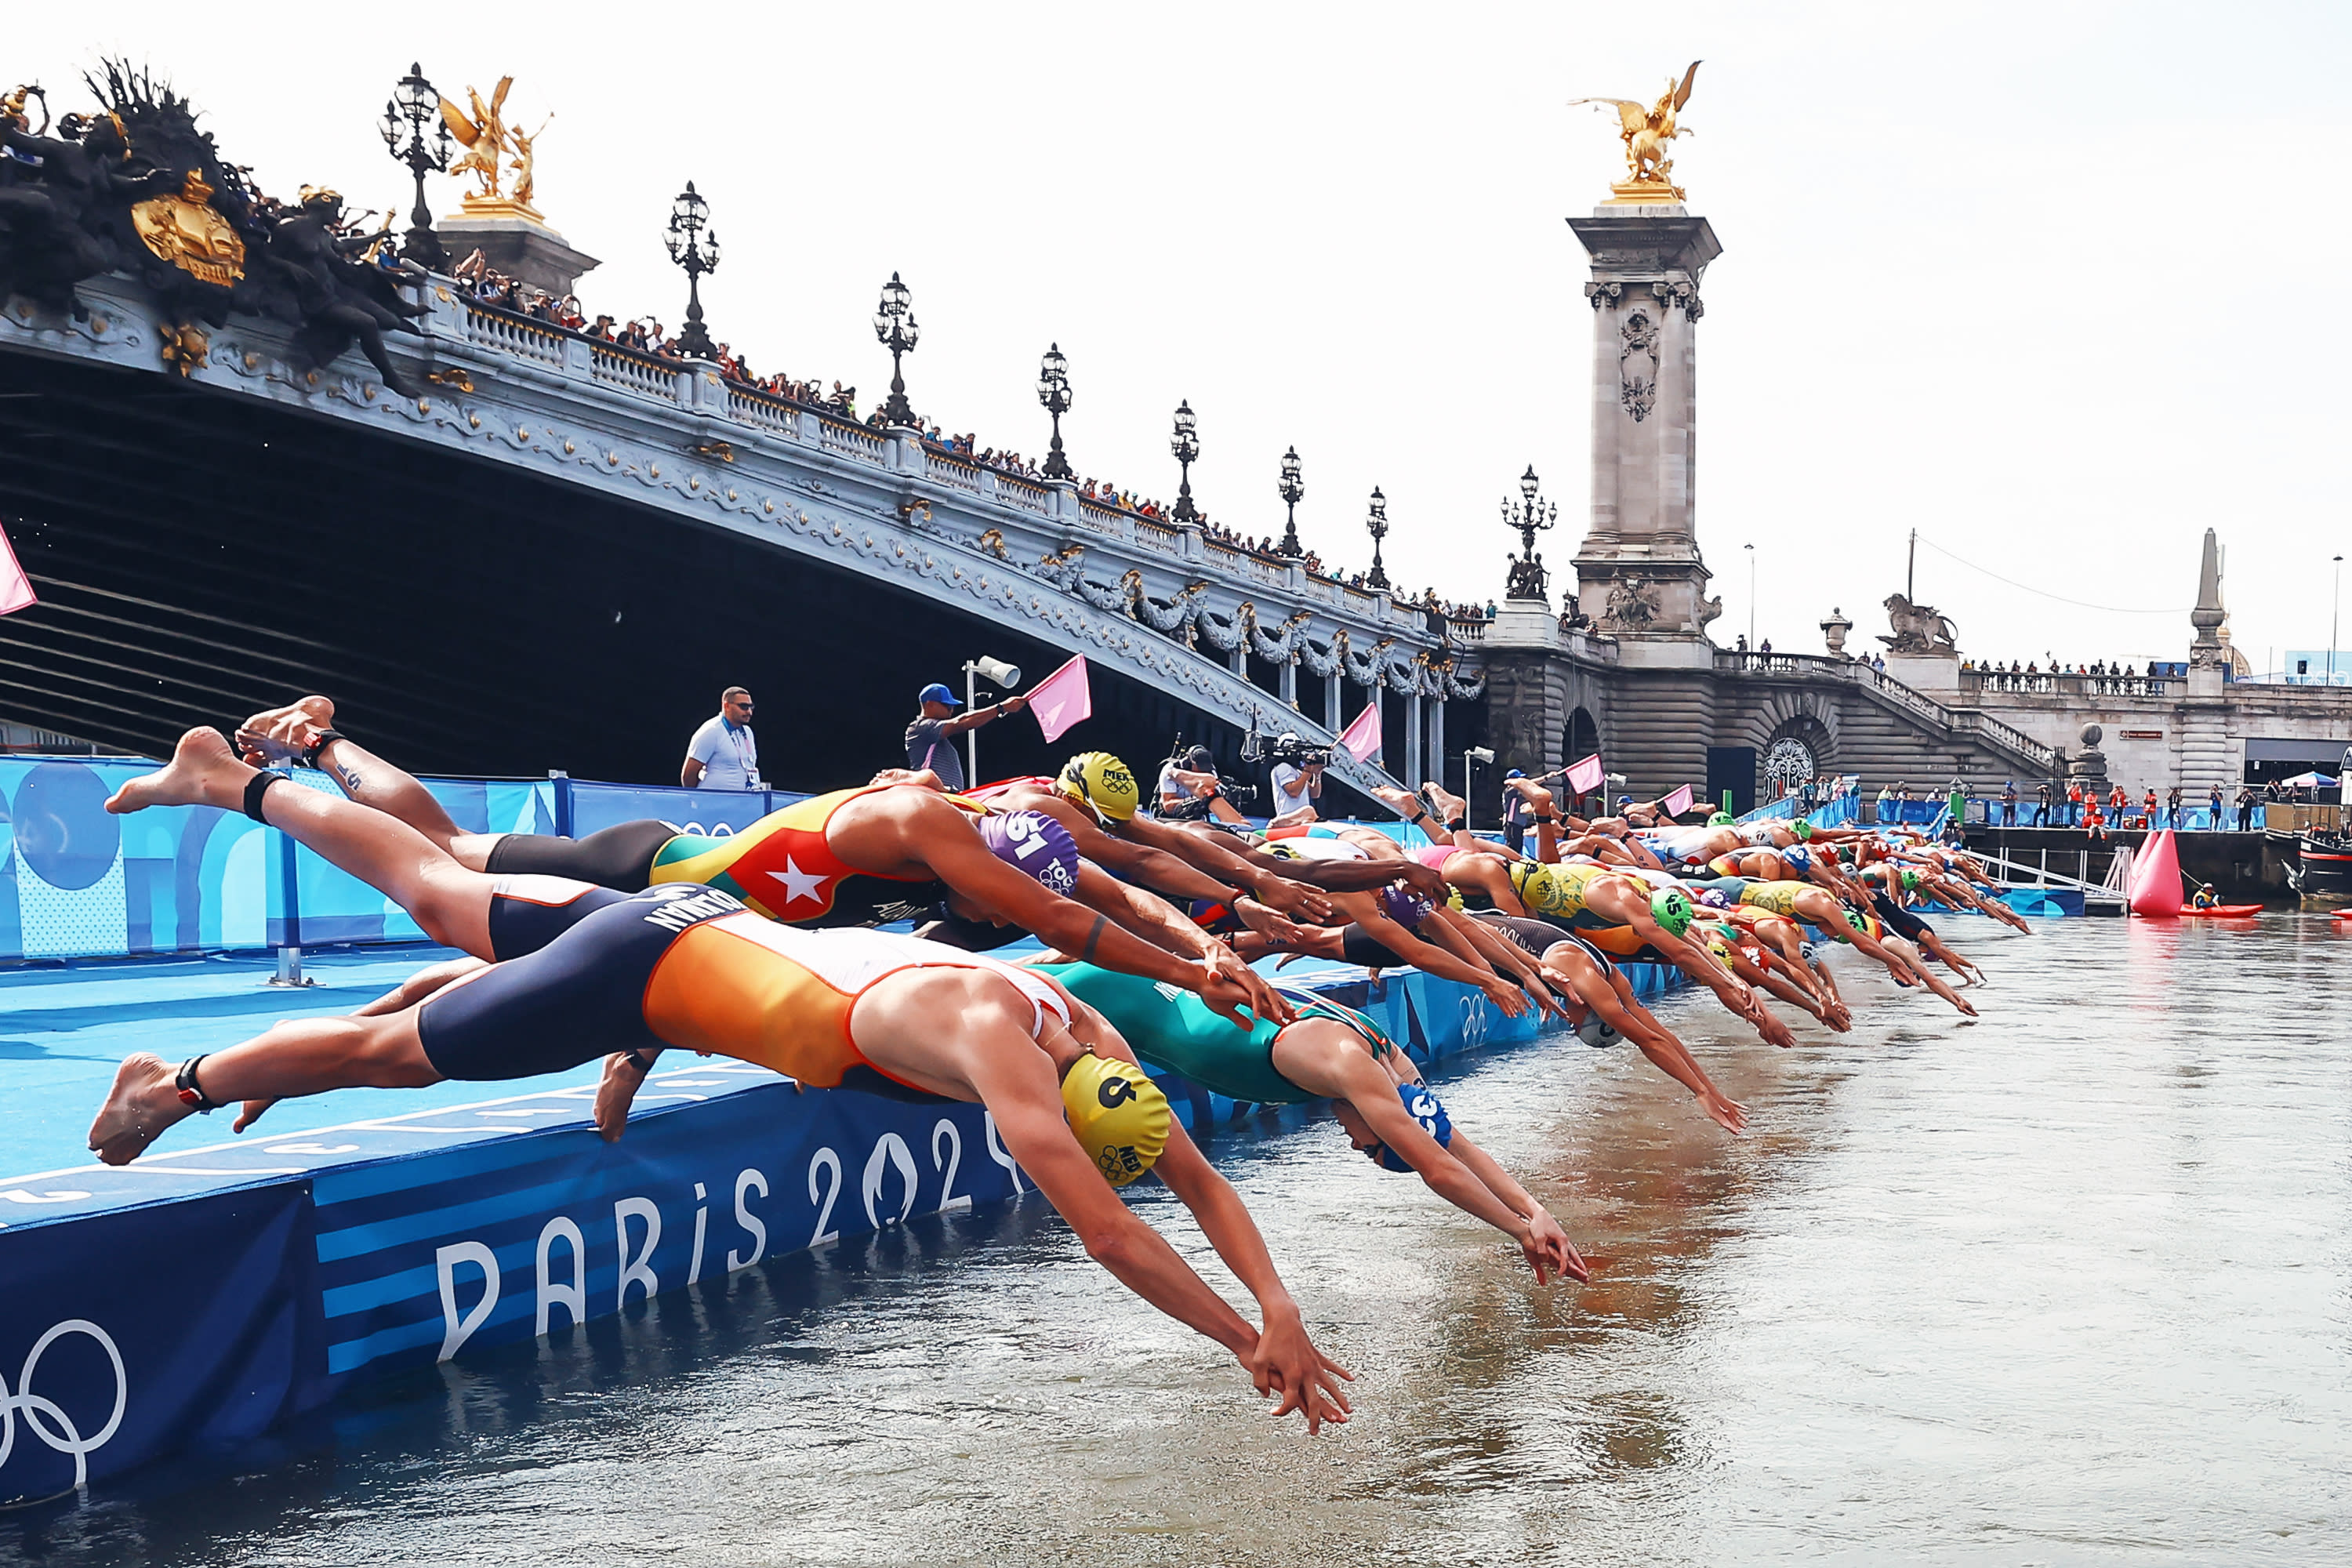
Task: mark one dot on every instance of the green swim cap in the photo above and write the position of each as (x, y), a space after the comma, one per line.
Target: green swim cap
(1910, 880)
(1721, 819)
(1802, 828)
(1671, 906)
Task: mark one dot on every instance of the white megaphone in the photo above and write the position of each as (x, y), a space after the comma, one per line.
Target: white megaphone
(996, 672)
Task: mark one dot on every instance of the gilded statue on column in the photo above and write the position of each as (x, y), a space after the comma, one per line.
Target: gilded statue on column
(1646, 130)
(489, 140)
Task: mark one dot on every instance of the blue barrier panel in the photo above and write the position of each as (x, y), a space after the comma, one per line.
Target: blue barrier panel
(332, 906)
(136, 1334)
(715, 812)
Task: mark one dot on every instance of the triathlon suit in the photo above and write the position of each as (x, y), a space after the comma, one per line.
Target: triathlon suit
(527, 911)
(1759, 836)
(687, 965)
(1435, 856)
(1175, 1029)
(1903, 920)
(780, 866)
(1536, 937)
(1772, 897)
(1675, 844)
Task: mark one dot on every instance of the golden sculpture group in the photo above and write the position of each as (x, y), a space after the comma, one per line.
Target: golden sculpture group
(488, 139)
(1646, 130)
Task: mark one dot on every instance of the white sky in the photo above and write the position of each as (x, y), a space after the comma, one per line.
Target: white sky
(2060, 286)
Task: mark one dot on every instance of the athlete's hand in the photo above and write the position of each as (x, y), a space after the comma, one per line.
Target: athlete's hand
(250, 1113)
(1285, 1362)
(624, 1073)
(1296, 899)
(1422, 879)
(1547, 1005)
(1268, 924)
(1549, 1250)
(1840, 1017)
(1775, 1032)
(1506, 996)
(1228, 984)
(1729, 1114)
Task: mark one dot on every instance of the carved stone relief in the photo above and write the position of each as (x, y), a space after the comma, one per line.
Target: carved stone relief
(1637, 365)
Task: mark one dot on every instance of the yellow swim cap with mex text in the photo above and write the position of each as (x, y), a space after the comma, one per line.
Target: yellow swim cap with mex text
(1118, 1115)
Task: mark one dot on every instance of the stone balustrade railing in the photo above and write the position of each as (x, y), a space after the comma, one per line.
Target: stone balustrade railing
(1819, 667)
(1090, 548)
(2066, 683)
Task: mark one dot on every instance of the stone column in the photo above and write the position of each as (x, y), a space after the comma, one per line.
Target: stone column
(1638, 572)
(1437, 741)
(1332, 719)
(1414, 772)
(1289, 680)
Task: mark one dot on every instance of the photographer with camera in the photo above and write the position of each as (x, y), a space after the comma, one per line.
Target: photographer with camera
(1191, 790)
(1298, 774)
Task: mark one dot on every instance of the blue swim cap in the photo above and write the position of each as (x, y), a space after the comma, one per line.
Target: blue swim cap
(1797, 859)
(1421, 1102)
(1036, 846)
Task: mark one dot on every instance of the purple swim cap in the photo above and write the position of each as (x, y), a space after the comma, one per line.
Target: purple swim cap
(1404, 906)
(1034, 845)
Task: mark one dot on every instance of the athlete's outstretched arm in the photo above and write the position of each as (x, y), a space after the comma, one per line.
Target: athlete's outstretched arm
(1518, 1200)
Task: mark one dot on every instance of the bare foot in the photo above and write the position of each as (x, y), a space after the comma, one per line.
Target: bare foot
(203, 772)
(1449, 807)
(143, 1105)
(1403, 802)
(279, 734)
(624, 1073)
(1528, 790)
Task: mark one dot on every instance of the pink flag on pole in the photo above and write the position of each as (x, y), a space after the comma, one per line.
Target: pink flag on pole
(1679, 802)
(1362, 738)
(1062, 700)
(15, 588)
(1586, 777)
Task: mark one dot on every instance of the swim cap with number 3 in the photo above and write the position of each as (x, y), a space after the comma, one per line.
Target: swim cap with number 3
(1118, 1115)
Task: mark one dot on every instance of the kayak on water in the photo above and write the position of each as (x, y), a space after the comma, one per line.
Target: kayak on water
(2223, 911)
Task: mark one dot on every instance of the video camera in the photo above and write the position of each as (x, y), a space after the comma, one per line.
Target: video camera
(1284, 748)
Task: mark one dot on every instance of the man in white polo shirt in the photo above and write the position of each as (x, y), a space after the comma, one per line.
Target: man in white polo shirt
(723, 754)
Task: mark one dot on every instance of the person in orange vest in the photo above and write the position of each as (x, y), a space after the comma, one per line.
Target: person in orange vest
(2095, 822)
(2147, 810)
(2117, 804)
(2074, 803)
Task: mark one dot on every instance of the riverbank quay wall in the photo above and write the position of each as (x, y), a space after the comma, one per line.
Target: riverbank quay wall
(1687, 712)
(560, 550)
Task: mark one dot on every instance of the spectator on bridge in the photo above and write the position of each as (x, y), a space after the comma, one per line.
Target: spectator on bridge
(930, 739)
(2118, 802)
(1886, 799)
(2213, 818)
(2008, 804)
(2041, 812)
(2245, 809)
(2172, 809)
(723, 754)
(1764, 646)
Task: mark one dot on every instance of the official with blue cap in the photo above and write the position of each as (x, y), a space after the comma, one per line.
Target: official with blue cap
(930, 739)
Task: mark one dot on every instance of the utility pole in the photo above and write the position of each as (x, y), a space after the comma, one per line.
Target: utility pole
(1911, 568)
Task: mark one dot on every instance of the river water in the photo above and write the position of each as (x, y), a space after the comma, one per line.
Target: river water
(2068, 1285)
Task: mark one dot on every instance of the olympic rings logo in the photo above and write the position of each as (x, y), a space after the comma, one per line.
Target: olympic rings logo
(66, 1437)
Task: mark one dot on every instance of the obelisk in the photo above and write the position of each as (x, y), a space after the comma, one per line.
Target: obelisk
(1640, 575)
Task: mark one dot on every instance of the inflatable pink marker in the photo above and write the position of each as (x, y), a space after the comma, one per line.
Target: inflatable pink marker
(2155, 877)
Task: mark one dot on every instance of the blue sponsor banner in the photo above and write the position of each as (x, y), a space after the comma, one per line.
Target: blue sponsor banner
(131, 1335)
(495, 1242)
(716, 813)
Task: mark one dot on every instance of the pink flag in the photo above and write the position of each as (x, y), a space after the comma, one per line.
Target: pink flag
(1679, 802)
(15, 588)
(1362, 738)
(1586, 777)
(1062, 700)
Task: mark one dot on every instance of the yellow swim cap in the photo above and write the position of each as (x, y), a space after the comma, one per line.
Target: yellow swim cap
(1118, 1115)
(1101, 783)
(1538, 889)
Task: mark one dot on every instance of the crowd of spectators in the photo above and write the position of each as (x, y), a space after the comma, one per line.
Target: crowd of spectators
(2121, 669)
(646, 335)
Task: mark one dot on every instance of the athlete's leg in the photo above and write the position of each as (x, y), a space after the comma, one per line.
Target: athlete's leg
(305, 1056)
(291, 731)
(451, 902)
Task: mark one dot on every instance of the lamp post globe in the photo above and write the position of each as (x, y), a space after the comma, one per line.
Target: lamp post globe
(896, 328)
(415, 105)
(695, 250)
(1053, 394)
(1185, 446)
(1290, 490)
(1376, 524)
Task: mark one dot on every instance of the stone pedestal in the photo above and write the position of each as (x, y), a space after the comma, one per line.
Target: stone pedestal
(1937, 674)
(516, 242)
(1639, 571)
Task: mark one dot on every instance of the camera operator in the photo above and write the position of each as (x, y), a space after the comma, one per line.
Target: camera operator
(1298, 774)
(1191, 790)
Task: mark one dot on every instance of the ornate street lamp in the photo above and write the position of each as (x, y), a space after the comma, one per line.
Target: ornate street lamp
(1290, 490)
(1531, 518)
(1053, 392)
(1377, 525)
(1186, 446)
(694, 248)
(415, 105)
(895, 327)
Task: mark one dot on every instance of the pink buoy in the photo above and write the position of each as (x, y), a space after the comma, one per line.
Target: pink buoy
(2155, 877)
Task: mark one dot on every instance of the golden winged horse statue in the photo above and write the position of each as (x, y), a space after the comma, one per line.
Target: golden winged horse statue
(483, 135)
(1648, 128)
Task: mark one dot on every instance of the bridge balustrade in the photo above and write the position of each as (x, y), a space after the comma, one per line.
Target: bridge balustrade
(2064, 683)
(853, 441)
(514, 334)
(639, 373)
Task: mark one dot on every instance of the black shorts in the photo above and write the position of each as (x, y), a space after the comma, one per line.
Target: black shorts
(620, 857)
(1900, 920)
(580, 998)
(527, 911)
(1358, 945)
